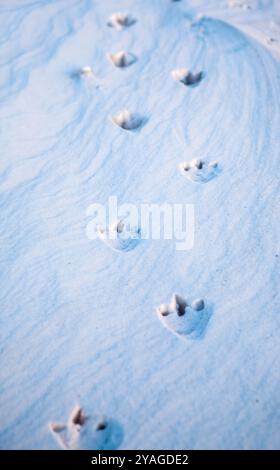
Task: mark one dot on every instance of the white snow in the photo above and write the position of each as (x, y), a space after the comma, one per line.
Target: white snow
(78, 319)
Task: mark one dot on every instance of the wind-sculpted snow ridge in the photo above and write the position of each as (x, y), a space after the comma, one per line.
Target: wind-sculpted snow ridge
(199, 171)
(84, 432)
(55, 29)
(184, 318)
(119, 237)
(77, 316)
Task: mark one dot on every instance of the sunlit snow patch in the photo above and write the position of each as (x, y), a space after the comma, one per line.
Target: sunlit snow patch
(184, 318)
(119, 237)
(122, 59)
(84, 432)
(127, 120)
(199, 171)
(121, 20)
(186, 77)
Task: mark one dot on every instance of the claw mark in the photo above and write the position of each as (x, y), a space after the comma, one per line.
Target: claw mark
(178, 304)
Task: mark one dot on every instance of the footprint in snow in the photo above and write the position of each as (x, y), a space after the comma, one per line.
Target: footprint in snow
(84, 432)
(184, 318)
(271, 40)
(122, 59)
(199, 171)
(238, 4)
(187, 78)
(128, 121)
(84, 72)
(120, 20)
(119, 237)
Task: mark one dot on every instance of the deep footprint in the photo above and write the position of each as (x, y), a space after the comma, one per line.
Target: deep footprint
(120, 238)
(121, 20)
(84, 432)
(199, 171)
(122, 59)
(187, 78)
(128, 121)
(184, 318)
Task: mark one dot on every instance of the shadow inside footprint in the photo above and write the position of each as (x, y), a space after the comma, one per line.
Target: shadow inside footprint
(129, 121)
(120, 20)
(184, 319)
(119, 237)
(199, 171)
(84, 432)
(84, 72)
(122, 59)
(187, 78)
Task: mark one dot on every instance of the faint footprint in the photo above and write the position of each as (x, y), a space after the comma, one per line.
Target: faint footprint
(84, 432)
(128, 121)
(239, 4)
(184, 318)
(84, 72)
(122, 59)
(186, 77)
(199, 171)
(121, 20)
(271, 40)
(119, 237)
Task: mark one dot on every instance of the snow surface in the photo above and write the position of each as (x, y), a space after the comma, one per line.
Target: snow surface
(78, 322)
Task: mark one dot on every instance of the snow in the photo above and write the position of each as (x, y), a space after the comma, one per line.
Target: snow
(78, 322)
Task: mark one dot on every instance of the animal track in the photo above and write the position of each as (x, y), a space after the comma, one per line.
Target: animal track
(199, 171)
(239, 4)
(121, 20)
(122, 59)
(128, 121)
(184, 318)
(271, 40)
(84, 72)
(84, 432)
(186, 77)
(120, 238)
